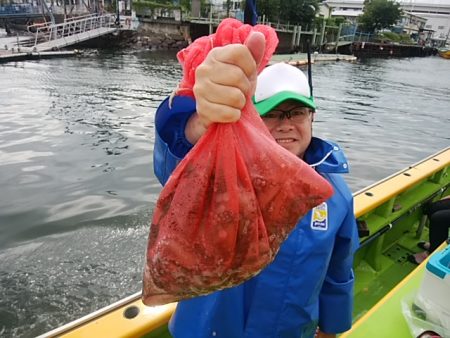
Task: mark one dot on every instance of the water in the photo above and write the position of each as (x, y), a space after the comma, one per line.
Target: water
(76, 181)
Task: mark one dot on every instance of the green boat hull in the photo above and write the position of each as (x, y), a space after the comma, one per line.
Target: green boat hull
(385, 319)
(391, 218)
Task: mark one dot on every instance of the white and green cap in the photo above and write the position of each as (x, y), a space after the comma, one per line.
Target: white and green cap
(278, 83)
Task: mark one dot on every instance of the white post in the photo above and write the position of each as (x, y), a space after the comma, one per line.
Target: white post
(337, 38)
(294, 34)
(210, 19)
(322, 35)
(313, 42)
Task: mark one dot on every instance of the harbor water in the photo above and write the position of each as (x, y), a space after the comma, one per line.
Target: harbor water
(77, 187)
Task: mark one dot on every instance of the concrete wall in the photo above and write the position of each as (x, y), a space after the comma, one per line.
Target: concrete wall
(153, 34)
(157, 34)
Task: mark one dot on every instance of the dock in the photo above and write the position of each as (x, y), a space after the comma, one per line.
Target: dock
(301, 59)
(48, 40)
(10, 56)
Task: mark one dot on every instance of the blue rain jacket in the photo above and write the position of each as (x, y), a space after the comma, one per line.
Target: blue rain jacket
(310, 282)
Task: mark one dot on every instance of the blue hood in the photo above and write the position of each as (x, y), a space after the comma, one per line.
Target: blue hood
(326, 157)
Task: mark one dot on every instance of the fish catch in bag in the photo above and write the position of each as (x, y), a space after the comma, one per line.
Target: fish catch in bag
(232, 201)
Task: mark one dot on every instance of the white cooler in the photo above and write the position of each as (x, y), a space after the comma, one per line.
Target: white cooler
(434, 293)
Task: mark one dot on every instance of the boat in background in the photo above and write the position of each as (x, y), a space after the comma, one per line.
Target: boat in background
(391, 221)
(444, 52)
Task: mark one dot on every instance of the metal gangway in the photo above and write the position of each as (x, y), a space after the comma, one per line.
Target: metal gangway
(49, 36)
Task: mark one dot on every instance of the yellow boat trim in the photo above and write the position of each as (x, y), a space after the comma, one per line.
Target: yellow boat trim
(112, 321)
(108, 322)
(380, 192)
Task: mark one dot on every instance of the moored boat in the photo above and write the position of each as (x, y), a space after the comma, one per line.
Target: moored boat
(445, 53)
(391, 221)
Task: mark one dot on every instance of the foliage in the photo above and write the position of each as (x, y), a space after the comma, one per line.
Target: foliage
(394, 37)
(269, 8)
(338, 20)
(379, 14)
(295, 12)
(301, 12)
(186, 4)
(150, 6)
(330, 22)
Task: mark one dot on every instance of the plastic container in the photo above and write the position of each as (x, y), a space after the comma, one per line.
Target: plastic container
(433, 296)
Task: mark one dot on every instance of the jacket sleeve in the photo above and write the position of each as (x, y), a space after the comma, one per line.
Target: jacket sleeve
(336, 296)
(171, 144)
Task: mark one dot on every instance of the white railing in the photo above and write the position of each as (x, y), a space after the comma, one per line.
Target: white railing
(216, 21)
(47, 32)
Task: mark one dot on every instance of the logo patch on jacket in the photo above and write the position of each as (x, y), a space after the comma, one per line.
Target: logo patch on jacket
(319, 217)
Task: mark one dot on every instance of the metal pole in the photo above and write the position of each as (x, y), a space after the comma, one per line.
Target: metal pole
(210, 19)
(18, 44)
(117, 13)
(308, 53)
(448, 33)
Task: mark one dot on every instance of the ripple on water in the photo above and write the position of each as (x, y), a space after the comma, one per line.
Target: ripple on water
(76, 142)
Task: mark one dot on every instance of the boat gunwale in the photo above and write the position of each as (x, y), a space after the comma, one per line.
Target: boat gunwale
(368, 198)
(163, 313)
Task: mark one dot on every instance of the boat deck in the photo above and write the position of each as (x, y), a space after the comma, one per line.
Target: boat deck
(371, 286)
(388, 310)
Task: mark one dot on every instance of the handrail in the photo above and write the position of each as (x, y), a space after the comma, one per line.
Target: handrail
(71, 26)
(74, 18)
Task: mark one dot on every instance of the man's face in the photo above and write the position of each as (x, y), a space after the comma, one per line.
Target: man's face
(294, 133)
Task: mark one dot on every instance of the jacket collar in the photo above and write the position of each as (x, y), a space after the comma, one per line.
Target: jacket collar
(326, 157)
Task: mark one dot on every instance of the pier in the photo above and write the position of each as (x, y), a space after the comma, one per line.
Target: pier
(21, 56)
(50, 38)
(372, 49)
(72, 31)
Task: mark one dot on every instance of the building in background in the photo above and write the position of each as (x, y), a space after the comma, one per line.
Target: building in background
(225, 8)
(349, 9)
(414, 26)
(435, 12)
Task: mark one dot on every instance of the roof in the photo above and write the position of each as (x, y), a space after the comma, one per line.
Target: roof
(404, 3)
(347, 13)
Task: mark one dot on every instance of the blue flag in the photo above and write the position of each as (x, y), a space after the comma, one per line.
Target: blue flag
(250, 15)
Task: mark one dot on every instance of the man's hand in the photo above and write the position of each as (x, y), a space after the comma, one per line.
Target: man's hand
(321, 334)
(223, 84)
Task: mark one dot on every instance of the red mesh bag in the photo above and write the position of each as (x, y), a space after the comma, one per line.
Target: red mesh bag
(231, 201)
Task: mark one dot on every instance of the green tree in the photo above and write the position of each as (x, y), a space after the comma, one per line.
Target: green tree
(186, 4)
(270, 9)
(379, 14)
(299, 12)
(296, 12)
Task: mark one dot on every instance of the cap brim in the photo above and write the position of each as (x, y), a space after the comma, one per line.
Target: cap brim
(264, 106)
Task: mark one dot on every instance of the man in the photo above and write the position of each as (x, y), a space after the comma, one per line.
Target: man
(438, 213)
(309, 285)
